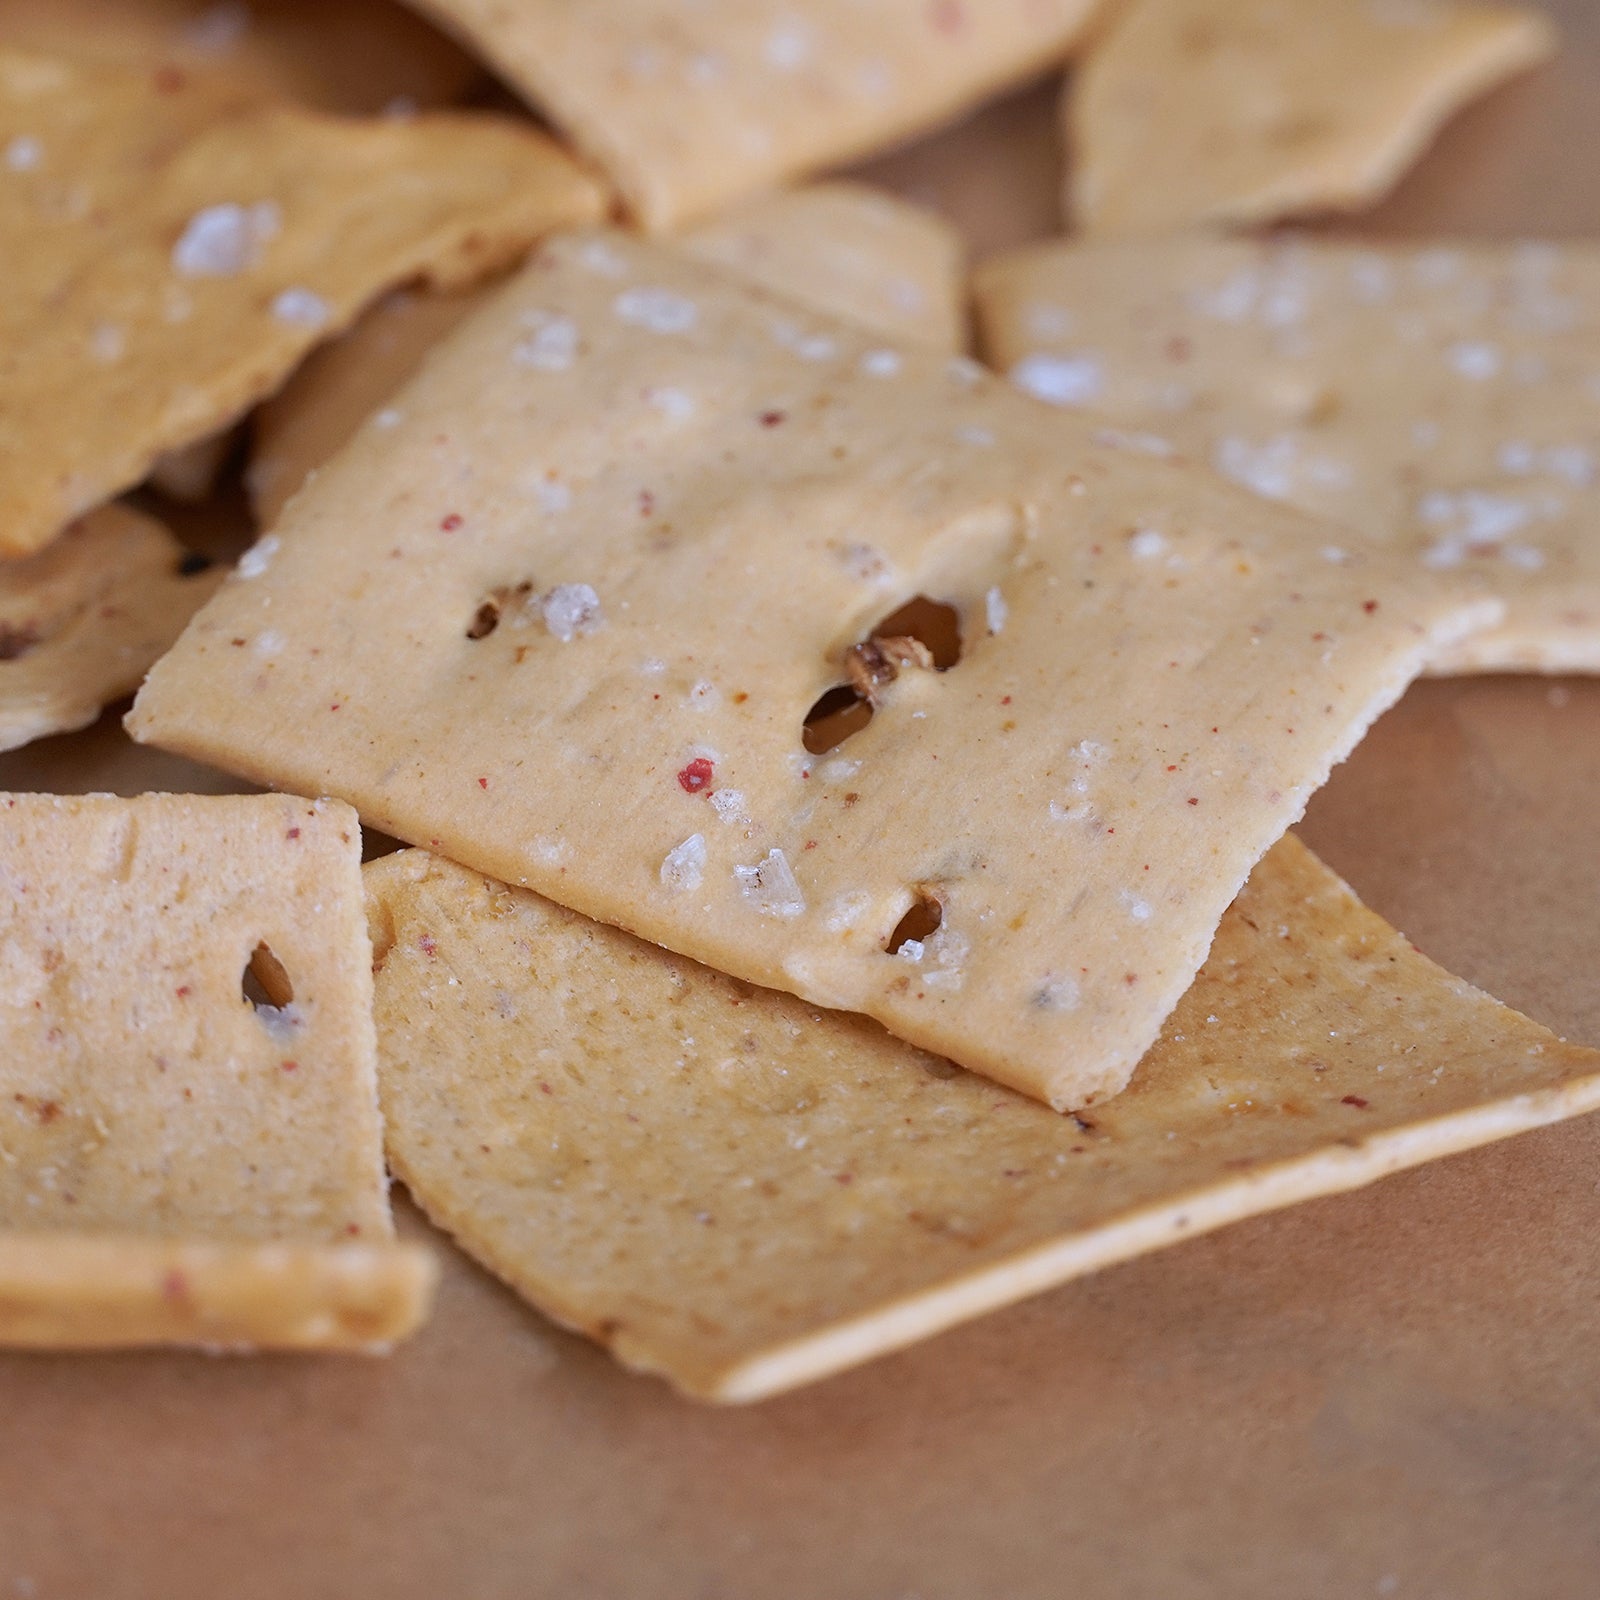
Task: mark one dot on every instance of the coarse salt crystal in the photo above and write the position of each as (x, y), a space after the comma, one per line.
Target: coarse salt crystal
(1476, 361)
(24, 153)
(300, 307)
(224, 239)
(674, 403)
(683, 867)
(389, 417)
(728, 804)
(258, 557)
(881, 363)
(550, 345)
(995, 610)
(1147, 544)
(659, 310)
(771, 886)
(572, 610)
(1059, 380)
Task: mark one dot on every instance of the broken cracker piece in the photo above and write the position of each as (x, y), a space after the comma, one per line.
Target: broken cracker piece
(689, 108)
(1441, 399)
(851, 250)
(81, 620)
(186, 1057)
(340, 55)
(843, 248)
(587, 628)
(175, 250)
(743, 1194)
(1195, 111)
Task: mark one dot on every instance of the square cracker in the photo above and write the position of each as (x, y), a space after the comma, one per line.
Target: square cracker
(563, 614)
(843, 248)
(741, 1193)
(1192, 111)
(688, 108)
(1441, 399)
(143, 1094)
(174, 249)
(81, 620)
(341, 55)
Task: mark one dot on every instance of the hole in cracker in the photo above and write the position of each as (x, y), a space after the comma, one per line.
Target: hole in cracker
(493, 607)
(265, 983)
(191, 563)
(920, 923)
(836, 715)
(931, 623)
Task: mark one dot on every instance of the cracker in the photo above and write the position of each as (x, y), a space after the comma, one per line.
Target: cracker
(689, 108)
(744, 1194)
(839, 247)
(1192, 111)
(341, 55)
(81, 621)
(851, 250)
(143, 1093)
(174, 251)
(563, 614)
(1443, 399)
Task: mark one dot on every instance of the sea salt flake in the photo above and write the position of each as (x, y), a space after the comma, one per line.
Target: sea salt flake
(302, 308)
(881, 363)
(225, 239)
(258, 557)
(728, 804)
(1147, 544)
(571, 611)
(281, 1022)
(552, 494)
(389, 417)
(1059, 380)
(659, 310)
(771, 886)
(683, 867)
(995, 610)
(1135, 905)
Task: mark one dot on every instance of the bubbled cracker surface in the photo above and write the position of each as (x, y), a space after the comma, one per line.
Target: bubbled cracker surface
(1443, 400)
(342, 55)
(685, 503)
(140, 1092)
(81, 620)
(174, 246)
(689, 108)
(743, 1193)
(1192, 111)
(842, 248)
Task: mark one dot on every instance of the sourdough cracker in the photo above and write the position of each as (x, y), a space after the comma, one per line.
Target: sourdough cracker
(68, 1291)
(853, 251)
(689, 108)
(593, 576)
(1443, 399)
(842, 248)
(1195, 111)
(175, 249)
(144, 1092)
(340, 55)
(83, 618)
(743, 1194)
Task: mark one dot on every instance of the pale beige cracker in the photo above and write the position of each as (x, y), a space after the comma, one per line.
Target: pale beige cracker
(143, 1092)
(1196, 111)
(743, 1194)
(843, 248)
(82, 619)
(1443, 400)
(342, 55)
(95, 1291)
(562, 613)
(687, 109)
(172, 252)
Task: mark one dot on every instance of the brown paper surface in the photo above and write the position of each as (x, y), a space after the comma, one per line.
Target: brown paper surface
(1389, 1393)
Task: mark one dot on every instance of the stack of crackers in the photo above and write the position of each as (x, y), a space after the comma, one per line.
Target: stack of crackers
(847, 784)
